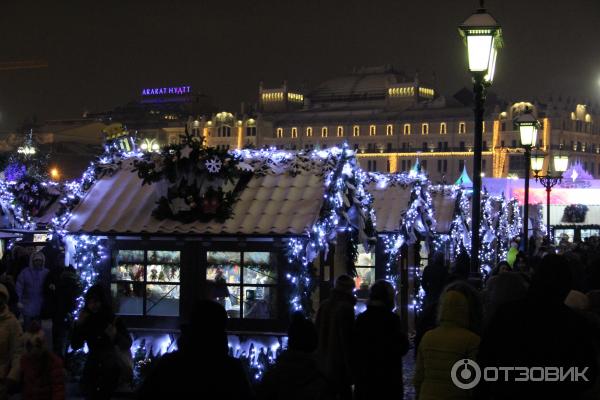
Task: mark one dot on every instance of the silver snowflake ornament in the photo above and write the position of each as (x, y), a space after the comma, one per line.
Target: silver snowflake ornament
(213, 165)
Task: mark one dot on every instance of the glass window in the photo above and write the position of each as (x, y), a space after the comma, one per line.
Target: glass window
(131, 289)
(365, 272)
(244, 283)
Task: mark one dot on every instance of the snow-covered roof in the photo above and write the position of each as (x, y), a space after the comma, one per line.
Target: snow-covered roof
(272, 204)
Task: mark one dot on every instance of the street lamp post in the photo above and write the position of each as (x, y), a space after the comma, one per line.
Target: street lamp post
(528, 127)
(549, 180)
(483, 37)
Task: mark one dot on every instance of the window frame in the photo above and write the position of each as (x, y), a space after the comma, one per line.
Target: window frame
(356, 130)
(372, 130)
(324, 132)
(389, 130)
(406, 129)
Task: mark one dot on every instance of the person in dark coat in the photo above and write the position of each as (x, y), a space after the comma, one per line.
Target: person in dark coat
(435, 277)
(61, 289)
(539, 330)
(201, 367)
(381, 343)
(335, 325)
(295, 375)
(107, 339)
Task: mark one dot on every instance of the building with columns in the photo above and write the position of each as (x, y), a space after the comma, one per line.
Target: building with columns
(392, 120)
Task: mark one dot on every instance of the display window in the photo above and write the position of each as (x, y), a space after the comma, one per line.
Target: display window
(245, 283)
(365, 272)
(146, 282)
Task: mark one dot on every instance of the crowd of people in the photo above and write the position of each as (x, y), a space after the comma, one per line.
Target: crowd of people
(535, 310)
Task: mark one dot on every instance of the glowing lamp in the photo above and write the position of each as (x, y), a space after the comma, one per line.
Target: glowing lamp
(537, 162)
(528, 127)
(561, 163)
(483, 37)
(54, 173)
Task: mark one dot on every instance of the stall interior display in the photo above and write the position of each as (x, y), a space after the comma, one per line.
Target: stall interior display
(365, 272)
(146, 282)
(245, 283)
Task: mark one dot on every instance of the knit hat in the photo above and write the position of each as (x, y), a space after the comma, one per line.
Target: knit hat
(4, 291)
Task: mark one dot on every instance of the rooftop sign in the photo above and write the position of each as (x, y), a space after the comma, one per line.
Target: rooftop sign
(177, 90)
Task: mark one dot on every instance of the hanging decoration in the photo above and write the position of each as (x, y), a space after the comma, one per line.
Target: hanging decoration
(195, 183)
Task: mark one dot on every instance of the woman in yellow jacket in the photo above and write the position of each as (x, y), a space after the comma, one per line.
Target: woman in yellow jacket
(442, 347)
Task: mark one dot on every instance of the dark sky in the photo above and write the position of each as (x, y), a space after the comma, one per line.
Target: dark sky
(101, 53)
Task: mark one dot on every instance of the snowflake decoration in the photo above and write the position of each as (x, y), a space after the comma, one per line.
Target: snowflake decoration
(213, 165)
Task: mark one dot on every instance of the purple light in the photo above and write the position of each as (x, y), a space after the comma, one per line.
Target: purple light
(166, 90)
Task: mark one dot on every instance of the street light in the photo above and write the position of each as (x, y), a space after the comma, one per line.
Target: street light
(550, 180)
(528, 127)
(482, 36)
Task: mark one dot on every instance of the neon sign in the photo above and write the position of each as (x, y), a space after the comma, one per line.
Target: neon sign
(166, 90)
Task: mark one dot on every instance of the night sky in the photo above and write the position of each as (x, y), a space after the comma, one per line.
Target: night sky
(101, 53)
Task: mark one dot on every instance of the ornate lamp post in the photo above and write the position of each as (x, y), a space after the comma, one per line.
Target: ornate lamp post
(561, 162)
(483, 37)
(528, 127)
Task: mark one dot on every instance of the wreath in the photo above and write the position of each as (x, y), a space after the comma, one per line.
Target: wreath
(32, 195)
(575, 213)
(195, 183)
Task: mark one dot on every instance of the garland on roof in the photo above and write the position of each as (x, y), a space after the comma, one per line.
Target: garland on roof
(196, 183)
(347, 207)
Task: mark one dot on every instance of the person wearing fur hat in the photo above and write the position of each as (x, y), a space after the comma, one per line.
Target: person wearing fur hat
(30, 288)
(11, 345)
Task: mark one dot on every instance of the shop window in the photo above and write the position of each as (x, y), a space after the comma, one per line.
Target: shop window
(365, 272)
(245, 283)
(146, 282)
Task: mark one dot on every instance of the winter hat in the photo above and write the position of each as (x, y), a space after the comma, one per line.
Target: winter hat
(344, 283)
(4, 291)
(577, 300)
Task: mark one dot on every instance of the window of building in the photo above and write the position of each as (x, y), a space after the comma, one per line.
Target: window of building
(279, 133)
(445, 166)
(389, 130)
(250, 279)
(324, 131)
(439, 146)
(309, 132)
(294, 133)
(146, 282)
(484, 145)
(251, 131)
(405, 146)
(372, 130)
(483, 164)
(403, 165)
(503, 126)
(387, 166)
(372, 165)
(443, 128)
(406, 129)
(340, 131)
(462, 127)
(356, 130)
(461, 165)
(370, 147)
(461, 146)
(439, 165)
(424, 164)
(516, 164)
(502, 143)
(425, 129)
(425, 148)
(445, 146)
(389, 147)
(355, 146)
(224, 131)
(514, 143)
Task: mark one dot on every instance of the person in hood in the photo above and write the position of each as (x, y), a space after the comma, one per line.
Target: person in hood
(11, 346)
(295, 376)
(335, 326)
(382, 342)
(442, 347)
(30, 288)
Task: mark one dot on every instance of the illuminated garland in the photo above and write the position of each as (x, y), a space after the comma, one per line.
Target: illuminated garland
(347, 207)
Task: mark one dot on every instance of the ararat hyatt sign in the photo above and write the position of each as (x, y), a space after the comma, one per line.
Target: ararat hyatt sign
(166, 90)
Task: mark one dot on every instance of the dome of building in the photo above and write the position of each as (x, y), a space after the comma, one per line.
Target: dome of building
(362, 84)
